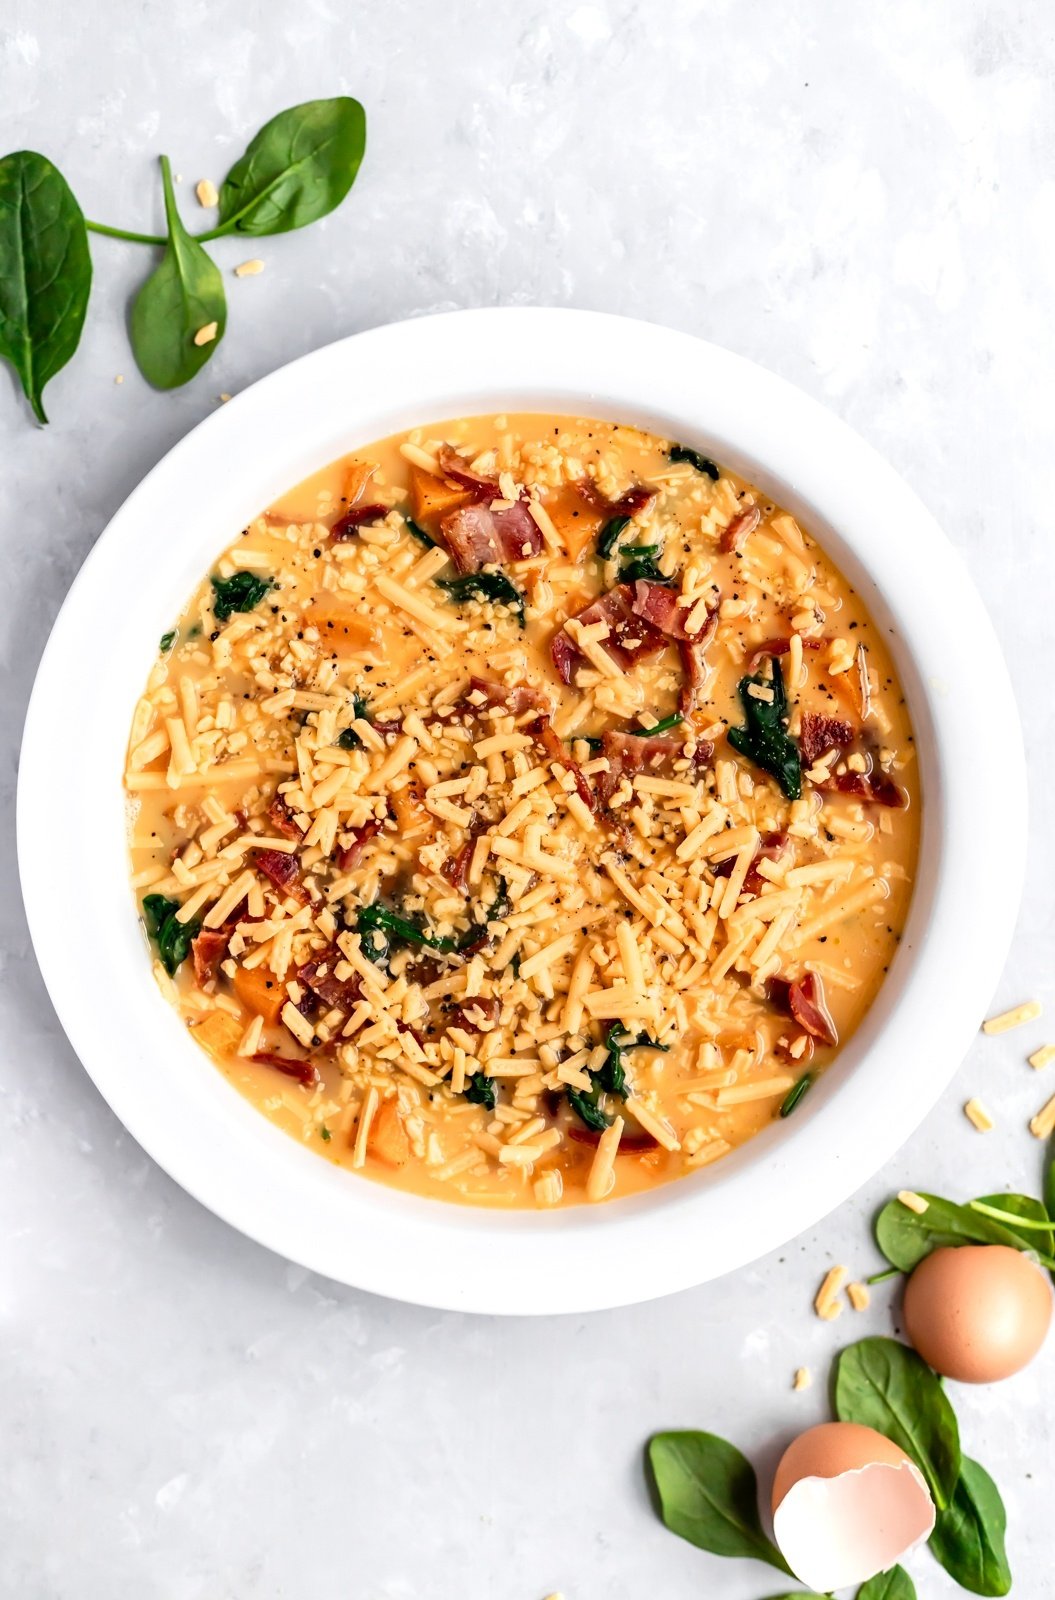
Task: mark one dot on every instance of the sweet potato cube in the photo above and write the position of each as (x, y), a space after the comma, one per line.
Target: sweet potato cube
(431, 498)
(219, 1033)
(260, 991)
(343, 630)
(388, 1138)
(577, 523)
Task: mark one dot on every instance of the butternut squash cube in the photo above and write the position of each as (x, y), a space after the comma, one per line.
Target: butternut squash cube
(344, 631)
(431, 497)
(388, 1138)
(260, 991)
(577, 523)
(219, 1033)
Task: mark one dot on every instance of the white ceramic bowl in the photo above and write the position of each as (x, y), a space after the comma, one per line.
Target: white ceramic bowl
(71, 814)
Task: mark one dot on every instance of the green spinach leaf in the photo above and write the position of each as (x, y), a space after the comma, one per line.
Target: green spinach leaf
(481, 1091)
(893, 1585)
(45, 272)
(1049, 1181)
(167, 641)
(180, 301)
(886, 1386)
(173, 939)
(298, 168)
(587, 1110)
(795, 1094)
(609, 536)
(905, 1236)
(639, 563)
(968, 1538)
(708, 1494)
(419, 533)
(703, 464)
(764, 739)
(660, 727)
(485, 586)
(242, 591)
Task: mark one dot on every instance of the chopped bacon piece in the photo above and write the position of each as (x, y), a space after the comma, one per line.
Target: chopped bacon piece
(208, 950)
(543, 730)
(292, 1066)
(743, 525)
(456, 867)
(771, 848)
(659, 606)
(777, 647)
(281, 869)
(478, 536)
(349, 855)
(629, 504)
(805, 1054)
(472, 1014)
(516, 700)
(874, 787)
(282, 820)
(318, 976)
(628, 753)
(457, 469)
(393, 725)
(629, 1144)
(348, 525)
(819, 734)
(804, 1001)
(630, 635)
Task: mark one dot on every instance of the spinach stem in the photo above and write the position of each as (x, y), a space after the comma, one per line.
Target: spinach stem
(1020, 1223)
(125, 233)
(881, 1277)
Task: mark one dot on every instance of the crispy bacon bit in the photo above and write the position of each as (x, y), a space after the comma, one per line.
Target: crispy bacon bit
(456, 867)
(478, 536)
(318, 976)
(473, 1014)
(630, 635)
(740, 530)
(349, 855)
(393, 725)
(874, 787)
(804, 1001)
(292, 1066)
(516, 700)
(282, 820)
(208, 950)
(629, 504)
(819, 734)
(628, 753)
(457, 469)
(282, 870)
(778, 647)
(542, 729)
(804, 1055)
(629, 1144)
(659, 606)
(347, 526)
(771, 848)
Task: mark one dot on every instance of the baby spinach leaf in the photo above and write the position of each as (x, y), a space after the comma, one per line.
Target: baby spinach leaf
(886, 1386)
(587, 1110)
(680, 452)
(968, 1538)
(905, 1236)
(660, 727)
(609, 536)
(173, 939)
(795, 1094)
(639, 562)
(167, 641)
(298, 168)
(485, 586)
(419, 534)
(400, 930)
(183, 296)
(45, 272)
(893, 1585)
(763, 739)
(481, 1091)
(242, 591)
(708, 1494)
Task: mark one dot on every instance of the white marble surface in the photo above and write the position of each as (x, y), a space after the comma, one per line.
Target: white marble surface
(860, 197)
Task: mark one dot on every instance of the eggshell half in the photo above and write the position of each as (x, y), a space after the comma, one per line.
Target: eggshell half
(978, 1312)
(847, 1504)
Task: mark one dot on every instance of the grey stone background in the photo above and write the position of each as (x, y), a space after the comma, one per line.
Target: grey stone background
(860, 197)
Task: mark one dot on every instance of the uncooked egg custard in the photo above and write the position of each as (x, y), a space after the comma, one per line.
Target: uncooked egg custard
(523, 810)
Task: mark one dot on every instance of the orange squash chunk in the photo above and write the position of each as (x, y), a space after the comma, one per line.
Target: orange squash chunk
(260, 991)
(430, 497)
(219, 1033)
(577, 523)
(356, 479)
(343, 630)
(388, 1138)
(408, 809)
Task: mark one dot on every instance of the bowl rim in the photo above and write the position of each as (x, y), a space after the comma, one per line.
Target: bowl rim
(196, 1125)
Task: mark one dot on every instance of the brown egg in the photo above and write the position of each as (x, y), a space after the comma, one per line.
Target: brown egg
(847, 1504)
(977, 1312)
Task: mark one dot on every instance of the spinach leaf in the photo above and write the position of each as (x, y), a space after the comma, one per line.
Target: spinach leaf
(609, 1077)
(661, 727)
(609, 535)
(886, 1386)
(298, 168)
(481, 1091)
(708, 1494)
(173, 939)
(893, 1585)
(703, 464)
(795, 1094)
(45, 272)
(905, 1236)
(763, 739)
(348, 739)
(638, 562)
(167, 641)
(400, 930)
(419, 534)
(485, 586)
(178, 304)
(242, 591)
(968, 1538)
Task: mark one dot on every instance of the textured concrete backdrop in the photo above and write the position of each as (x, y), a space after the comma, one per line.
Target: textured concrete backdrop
(860, 197)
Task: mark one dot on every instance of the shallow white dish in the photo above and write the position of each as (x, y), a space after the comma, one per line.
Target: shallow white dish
(168, 1093)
